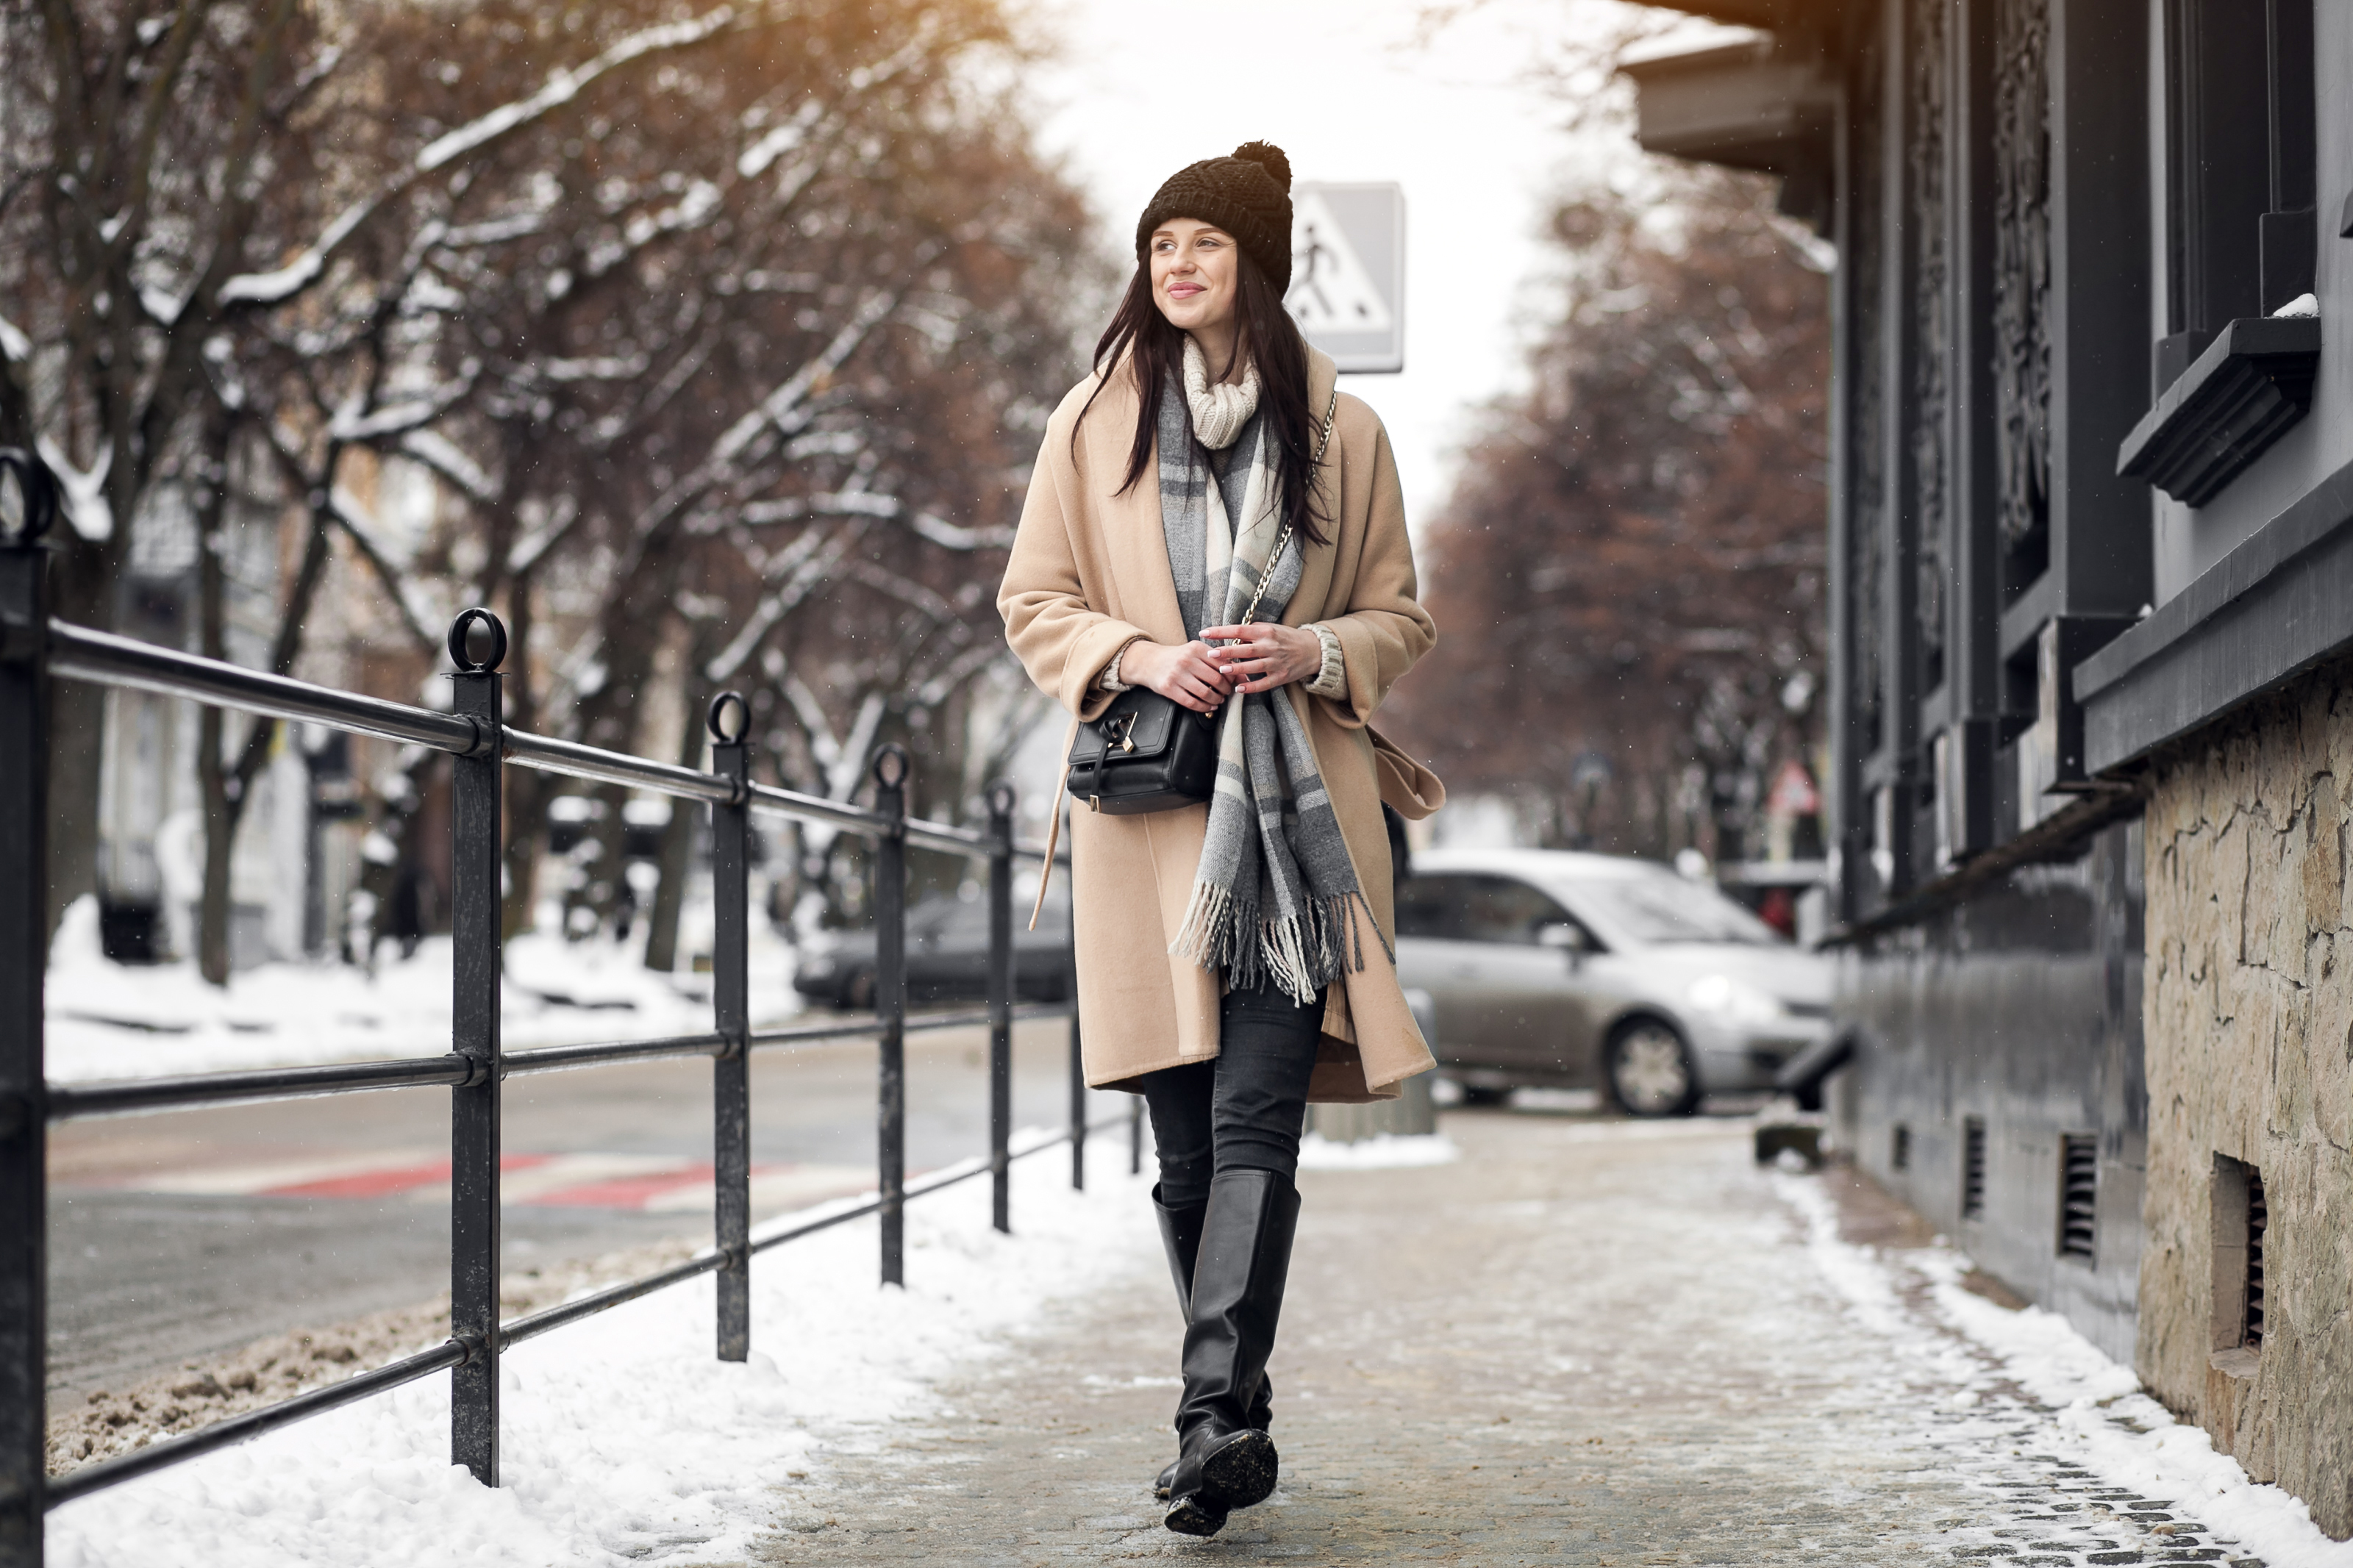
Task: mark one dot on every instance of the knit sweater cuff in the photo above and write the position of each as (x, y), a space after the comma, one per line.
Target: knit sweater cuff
(1109, 679)
(1331, 680)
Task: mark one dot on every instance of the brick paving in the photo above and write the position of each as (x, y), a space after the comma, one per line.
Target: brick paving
(1587, 1343)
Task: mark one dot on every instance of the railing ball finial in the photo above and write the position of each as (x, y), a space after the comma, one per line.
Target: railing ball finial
(891, 765)
(461, 641)
(729, 718)
(1000, 797)
(28, 497)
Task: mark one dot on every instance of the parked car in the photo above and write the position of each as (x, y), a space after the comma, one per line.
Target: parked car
(948, 951)
(1558, 969)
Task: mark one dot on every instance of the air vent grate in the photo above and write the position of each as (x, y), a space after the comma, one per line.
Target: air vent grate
(1899, 1154)
(1973, 1168)
(2079, 1192)
(2258, 1219)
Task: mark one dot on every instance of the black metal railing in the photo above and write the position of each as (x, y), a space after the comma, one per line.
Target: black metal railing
(34, 650)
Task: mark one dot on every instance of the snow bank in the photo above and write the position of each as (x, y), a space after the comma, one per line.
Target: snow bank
(1382, 1151)
(2103, 1420)
(109, 1020)
(624, 1440)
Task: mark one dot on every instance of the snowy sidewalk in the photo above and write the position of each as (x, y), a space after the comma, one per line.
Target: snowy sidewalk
(1587, 1344)
(1583, 1343)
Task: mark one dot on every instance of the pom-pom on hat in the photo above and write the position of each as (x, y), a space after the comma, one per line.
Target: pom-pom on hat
(1248, 195)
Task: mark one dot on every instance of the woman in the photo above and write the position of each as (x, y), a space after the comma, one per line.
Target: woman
(1235, 957)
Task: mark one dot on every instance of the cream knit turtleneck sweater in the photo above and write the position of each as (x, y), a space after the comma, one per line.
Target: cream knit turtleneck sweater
(1219, 412)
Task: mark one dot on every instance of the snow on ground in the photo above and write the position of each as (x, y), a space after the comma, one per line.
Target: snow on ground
(1382, 1151)
(624, 1440)
(109, 1020)
(2103, 1420)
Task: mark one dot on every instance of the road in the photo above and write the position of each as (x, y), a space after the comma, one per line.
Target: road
(184, 1233)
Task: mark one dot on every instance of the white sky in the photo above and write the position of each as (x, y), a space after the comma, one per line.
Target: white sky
(1340, 85)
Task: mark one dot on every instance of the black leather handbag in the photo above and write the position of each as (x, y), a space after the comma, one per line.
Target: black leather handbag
(1143, 753)
(1146, 753)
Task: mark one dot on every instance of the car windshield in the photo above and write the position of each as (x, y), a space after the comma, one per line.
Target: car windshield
(1652, 907)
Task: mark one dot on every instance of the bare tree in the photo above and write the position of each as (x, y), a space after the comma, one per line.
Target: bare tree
(1628, 578)
(604, 271)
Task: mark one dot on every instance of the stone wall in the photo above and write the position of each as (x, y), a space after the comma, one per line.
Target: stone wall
(2249, 1014)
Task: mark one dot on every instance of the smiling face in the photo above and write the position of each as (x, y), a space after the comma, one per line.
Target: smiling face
(1194, 270)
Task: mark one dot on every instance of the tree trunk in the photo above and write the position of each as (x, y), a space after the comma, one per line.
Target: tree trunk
(677, 862)
(82, 581)
(222, 809)
(528, 790)
(221, 816)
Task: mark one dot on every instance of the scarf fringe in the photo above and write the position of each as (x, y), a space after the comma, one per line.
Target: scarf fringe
(1301, 954)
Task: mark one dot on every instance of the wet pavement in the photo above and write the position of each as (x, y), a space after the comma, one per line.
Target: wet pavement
(1585, 1343)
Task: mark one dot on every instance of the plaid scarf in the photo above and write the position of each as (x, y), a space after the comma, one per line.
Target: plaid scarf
(1276, 894)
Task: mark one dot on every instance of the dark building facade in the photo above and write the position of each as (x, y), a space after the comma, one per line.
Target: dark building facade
(2091, 532)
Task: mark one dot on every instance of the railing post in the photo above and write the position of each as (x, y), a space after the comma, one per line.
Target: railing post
(729, 721)
(27, 504)
(890, 768)
(475, 972)
(1001, 985)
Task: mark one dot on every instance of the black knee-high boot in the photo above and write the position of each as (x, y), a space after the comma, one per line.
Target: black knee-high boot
(1180, 1237)
(1223, 1462)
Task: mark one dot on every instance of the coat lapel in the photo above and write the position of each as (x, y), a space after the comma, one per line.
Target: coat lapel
(1143, 589)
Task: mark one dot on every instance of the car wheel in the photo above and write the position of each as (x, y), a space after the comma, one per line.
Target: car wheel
(1650, 1070)
(859, 992)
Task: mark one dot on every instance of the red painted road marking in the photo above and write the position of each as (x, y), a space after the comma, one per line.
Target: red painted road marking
(580, 1179)
(626, 1192)
(392, 1180)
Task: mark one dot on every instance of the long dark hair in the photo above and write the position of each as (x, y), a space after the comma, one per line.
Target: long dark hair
(1267, 336)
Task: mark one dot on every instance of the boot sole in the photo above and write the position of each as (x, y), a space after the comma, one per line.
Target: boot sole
(1196, 1515)
(1244, 1470)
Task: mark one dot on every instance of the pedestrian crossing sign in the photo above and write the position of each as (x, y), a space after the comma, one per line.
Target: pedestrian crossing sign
(1348, 272)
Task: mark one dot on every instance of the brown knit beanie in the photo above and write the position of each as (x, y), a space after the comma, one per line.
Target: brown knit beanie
(1248, 195)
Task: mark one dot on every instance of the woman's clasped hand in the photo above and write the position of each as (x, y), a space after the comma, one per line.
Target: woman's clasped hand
(1188, 675)
(1201, 675)
(1260, 657)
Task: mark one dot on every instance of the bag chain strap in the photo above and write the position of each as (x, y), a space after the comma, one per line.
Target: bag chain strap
(1330, 413)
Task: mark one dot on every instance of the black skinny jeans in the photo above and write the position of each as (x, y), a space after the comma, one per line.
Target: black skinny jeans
(1244, 1109)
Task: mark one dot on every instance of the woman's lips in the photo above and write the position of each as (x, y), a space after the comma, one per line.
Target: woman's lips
(1185, 291)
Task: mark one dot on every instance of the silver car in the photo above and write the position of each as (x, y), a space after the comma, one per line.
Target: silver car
(1577, 971)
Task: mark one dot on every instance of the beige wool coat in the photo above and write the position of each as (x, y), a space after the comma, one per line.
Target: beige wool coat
(1090, 575)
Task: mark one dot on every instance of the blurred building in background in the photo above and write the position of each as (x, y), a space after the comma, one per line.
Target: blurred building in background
(2091, 537)
(303, 839)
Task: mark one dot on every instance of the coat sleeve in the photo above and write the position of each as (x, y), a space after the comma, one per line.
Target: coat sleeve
(1385, 631)
(1051, 621)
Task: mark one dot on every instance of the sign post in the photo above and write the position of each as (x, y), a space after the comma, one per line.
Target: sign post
(1348, 272)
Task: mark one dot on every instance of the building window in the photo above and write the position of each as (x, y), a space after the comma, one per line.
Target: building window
(1973, 1168)
(2241, 1226)
(2078, 1192)
(1899, 1154)
(2239, 225)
